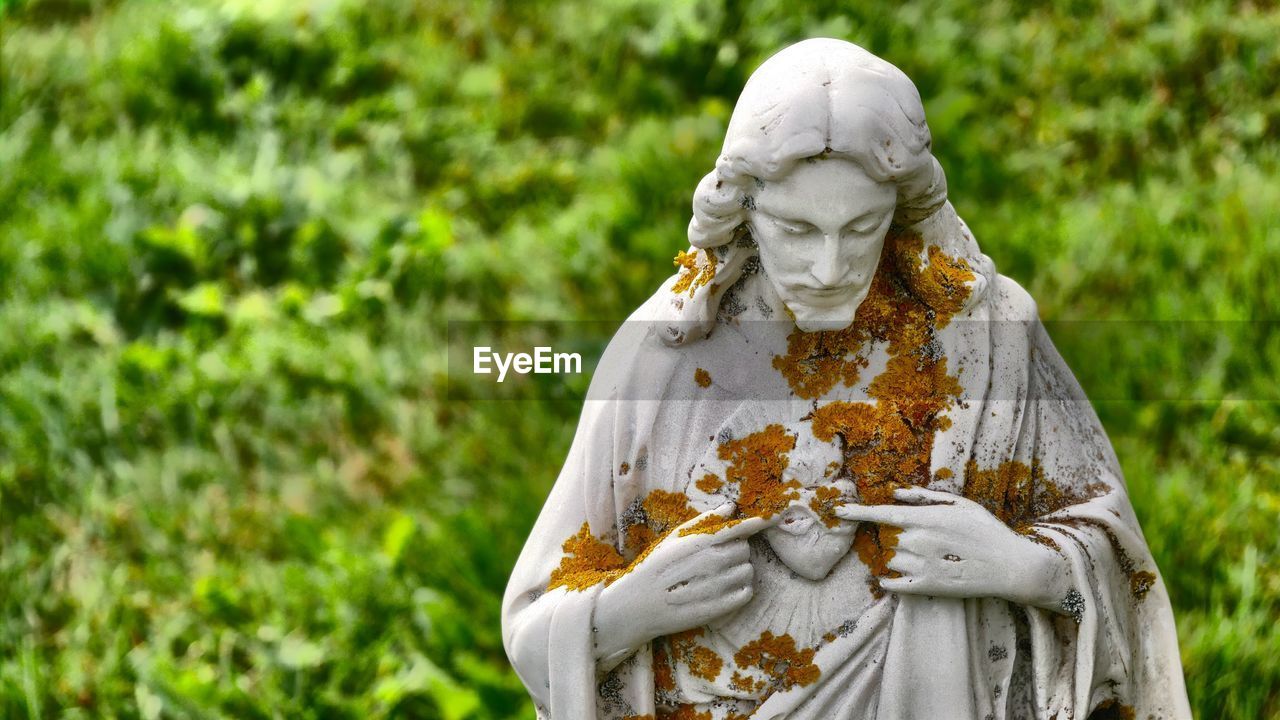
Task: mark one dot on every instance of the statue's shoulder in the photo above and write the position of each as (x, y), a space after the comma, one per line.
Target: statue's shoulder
(1010, 301)
(637, 363)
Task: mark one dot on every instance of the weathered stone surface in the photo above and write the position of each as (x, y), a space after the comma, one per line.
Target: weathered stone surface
(834, 468)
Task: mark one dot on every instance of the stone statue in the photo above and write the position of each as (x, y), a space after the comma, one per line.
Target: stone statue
(834, 468)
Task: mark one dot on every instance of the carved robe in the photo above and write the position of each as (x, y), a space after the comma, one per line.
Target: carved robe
(946, 380)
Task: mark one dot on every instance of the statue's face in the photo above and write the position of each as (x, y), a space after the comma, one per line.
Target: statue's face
(820, 230)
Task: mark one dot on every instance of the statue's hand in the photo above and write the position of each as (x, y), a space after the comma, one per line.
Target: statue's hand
(951, 546)
(686, 581)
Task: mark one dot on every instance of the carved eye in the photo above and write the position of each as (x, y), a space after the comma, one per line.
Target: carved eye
(863, 225)
(794, 227)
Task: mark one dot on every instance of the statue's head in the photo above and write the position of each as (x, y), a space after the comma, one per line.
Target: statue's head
(826, 148)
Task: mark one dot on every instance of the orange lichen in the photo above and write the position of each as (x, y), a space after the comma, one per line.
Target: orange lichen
(1019, 493)
(702, 378)
(943, 474)
(1005, 490)
(701, 661)
(587, 561)
(826, 499)
(694, 274)
(624, 468)
(705, 663)
(882, 453)
(709, 483)
(918, 389)
(666, 510)
(756, 464)
(875, 545)
(664, 674)
(942, 284)
(639, 537)
(889, 440)
(782, 664)
(1140, 583)
(816, 361)
(745, 683)
(662, 512)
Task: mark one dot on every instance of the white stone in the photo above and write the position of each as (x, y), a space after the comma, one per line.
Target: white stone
(716, 540)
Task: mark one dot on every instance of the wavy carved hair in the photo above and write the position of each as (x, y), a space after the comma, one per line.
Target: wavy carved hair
(817, 98)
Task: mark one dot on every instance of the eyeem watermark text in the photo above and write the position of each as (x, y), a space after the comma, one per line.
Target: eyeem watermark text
(543, 361)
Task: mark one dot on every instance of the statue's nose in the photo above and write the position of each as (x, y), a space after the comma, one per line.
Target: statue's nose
(827, 269)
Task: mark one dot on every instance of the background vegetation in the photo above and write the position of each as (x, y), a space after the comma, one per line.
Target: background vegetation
(231, 233)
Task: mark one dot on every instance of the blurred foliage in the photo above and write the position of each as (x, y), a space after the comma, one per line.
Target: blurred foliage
(231, 234)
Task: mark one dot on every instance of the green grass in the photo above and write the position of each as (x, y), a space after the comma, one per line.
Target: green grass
(231, 234)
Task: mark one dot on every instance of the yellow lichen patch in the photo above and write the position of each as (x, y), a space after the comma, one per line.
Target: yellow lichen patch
(918, 390)
(702, 378)
(743, 683)
(874, 545)
(709, 483)
(1005, 490)
(664, 674)
(816, 361)
(1019, 493)
(639, 537)
(882, 452)
(942, 284)
(705, 663)
(826, 499)
(624, 468)
(662, 512)
(1140, 583)
(943, 474)
(782, 665)
(666, 510)
(698, 269)
(587, 561)
(701, 661)
(756, 463)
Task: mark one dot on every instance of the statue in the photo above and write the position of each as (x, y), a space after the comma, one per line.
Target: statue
(834, 468)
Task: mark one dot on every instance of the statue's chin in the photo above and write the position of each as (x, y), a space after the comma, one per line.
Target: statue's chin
(808, 324)
(817, 318)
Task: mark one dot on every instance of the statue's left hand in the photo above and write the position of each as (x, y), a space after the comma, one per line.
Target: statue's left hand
(950, 546)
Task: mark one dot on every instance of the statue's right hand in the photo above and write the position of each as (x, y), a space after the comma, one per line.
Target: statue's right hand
(684, 582)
